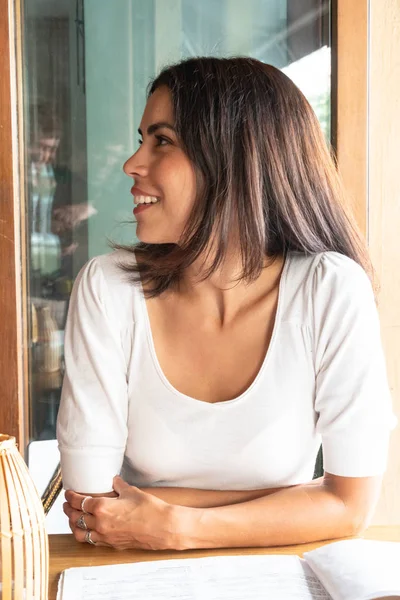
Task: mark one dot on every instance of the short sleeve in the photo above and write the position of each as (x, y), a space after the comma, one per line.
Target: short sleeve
(92, 420)
(352, 400)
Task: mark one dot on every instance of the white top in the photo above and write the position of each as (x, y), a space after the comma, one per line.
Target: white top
(323, 379)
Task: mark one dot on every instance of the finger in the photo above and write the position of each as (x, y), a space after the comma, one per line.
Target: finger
(67, 508)
(120, 485)
(75, 500)
(80, 537)
(75, 515)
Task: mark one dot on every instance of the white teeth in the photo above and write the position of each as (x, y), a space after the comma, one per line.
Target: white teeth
(145, 199)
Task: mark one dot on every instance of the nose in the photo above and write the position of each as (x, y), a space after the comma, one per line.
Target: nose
(137, 165)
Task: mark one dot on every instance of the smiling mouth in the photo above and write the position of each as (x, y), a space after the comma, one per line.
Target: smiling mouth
(138, 200)
(143, 206)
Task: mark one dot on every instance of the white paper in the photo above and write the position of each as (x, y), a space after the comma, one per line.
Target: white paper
(358, 569)
(211, 578)
(60, 587)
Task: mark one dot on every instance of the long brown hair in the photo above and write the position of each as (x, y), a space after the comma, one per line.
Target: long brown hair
(263, 167)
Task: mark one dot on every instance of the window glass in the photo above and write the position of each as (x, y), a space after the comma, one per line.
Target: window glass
(87, 64)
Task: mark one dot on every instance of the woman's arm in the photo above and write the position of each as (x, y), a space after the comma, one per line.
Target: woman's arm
(331, 507)
(328, 508)
(92, 419)
(195, 498)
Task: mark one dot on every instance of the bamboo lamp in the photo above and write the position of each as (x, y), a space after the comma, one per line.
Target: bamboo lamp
(24, 554)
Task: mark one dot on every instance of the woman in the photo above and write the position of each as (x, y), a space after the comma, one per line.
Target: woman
(256, 337)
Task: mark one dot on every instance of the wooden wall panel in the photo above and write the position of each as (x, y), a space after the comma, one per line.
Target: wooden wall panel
(384, 212)
(350, 85)
(367, 129)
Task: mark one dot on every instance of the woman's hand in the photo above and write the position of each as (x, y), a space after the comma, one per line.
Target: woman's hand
(134, 519)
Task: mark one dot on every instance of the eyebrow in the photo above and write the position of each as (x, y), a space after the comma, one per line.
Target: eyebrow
(152, 128)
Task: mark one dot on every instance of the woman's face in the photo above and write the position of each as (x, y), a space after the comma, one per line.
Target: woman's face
(164, 179)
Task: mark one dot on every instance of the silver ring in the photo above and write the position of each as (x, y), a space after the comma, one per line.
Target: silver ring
(81, 523)
(85, 512)
(88, 538)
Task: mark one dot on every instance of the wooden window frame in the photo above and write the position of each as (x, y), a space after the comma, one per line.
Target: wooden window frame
(13, 321)
(350, 101)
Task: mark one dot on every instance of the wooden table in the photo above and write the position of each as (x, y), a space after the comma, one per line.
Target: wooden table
(65, 552)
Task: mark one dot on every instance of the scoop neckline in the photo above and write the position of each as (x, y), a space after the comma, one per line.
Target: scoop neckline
(247, 391)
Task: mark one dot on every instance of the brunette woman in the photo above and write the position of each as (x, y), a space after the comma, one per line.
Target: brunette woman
(208, 363)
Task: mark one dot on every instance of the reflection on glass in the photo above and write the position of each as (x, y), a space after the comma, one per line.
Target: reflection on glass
(87, 65)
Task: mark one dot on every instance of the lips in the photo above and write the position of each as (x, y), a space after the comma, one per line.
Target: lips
(141, 207)
(135, 191)
(145, 200)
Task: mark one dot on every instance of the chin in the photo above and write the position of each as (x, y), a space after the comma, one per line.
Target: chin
(151, 237)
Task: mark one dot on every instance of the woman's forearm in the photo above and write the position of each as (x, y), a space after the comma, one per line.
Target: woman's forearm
(195, 498)
(293, 515)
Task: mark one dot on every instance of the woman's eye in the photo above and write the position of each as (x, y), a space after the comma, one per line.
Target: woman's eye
(161, 140)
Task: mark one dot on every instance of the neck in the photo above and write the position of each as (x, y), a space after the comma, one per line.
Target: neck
(223, 278)
(223, 295)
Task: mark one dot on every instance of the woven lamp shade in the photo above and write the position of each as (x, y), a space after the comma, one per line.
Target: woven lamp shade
(24, 554)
